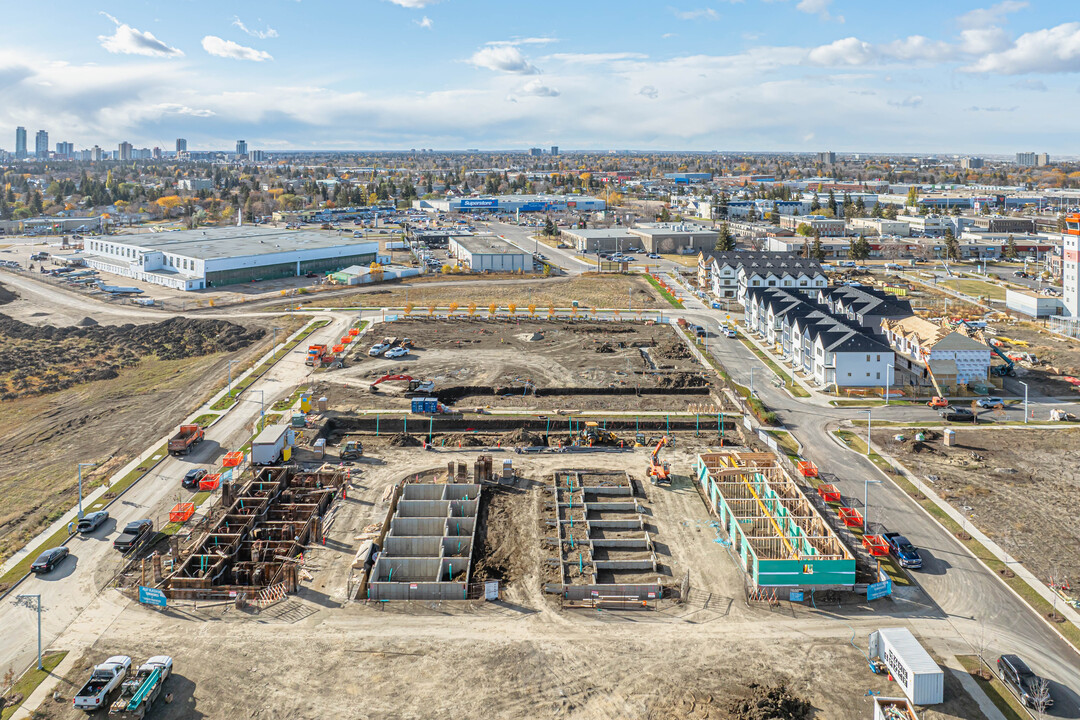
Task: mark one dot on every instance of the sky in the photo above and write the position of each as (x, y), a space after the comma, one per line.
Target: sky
(941, 76)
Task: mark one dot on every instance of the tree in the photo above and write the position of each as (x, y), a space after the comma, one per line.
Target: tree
(912, 196)
(952, 246)
(816, 251)
(804, 229)
(549, 228)
(1010, 248)
(774, 216)
(665, 215)
(859, 248)
(831, 204)
(815, 203)
(725, 240)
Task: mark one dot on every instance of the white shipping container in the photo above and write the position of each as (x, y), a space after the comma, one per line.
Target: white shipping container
(266, 448)
(922, 681)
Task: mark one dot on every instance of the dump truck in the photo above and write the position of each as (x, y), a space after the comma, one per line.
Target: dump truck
(138, 693)
(105, 678)
(188, 437)
(273, 444)
(315, 353)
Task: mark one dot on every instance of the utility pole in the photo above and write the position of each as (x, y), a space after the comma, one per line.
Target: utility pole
(33, 602)
(81, 466)
(867, 434)
(1025, 399)
(230, 376)
(888, 381)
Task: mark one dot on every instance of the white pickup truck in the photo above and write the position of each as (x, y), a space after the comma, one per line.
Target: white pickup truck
(106, 677)
(141, 689)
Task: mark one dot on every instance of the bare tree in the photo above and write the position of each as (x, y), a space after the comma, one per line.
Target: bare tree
(1040, 696)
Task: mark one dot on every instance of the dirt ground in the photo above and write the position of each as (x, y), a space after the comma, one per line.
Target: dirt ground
(1058, 358)
(1019, 486)
(317, 655)
(529, 353)
(599, 291)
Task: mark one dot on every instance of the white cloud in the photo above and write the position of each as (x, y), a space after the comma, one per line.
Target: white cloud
(1052, 50)
(819, 8)
(847, 51)
(984, 17)
(853, 51)
(228, 49)
(266, 34)
(918, 48)
(414, 4)
(524, 41)
(129, 41)
(912, 101)
(538, 89)
(595, 58)
(503, 58)
(650, 92)
(425, 22)
(699, 14)
(980, 41)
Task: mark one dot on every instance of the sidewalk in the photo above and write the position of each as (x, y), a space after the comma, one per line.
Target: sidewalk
(815, 395)
(986, 705)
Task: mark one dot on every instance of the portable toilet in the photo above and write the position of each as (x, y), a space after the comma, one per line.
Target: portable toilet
(286, 453)
(305, 403)
(950, 437)
(418, 405)
(323, 404)
(320, 447)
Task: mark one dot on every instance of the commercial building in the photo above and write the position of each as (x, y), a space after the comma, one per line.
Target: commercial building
(675, 238)
(730, 274)
(181, 145)
(241, 148)
(41, 145)
(880, 226)
(1033, 304)
(513, 203)
(1070, 266)
(925, 224)
(1004, 224)
(810, 338)
(825, 226)
(195, 184)
(20, 143)
(685, 178)
(489, 254)
(936, 355)
(602, 240)
(214, 257)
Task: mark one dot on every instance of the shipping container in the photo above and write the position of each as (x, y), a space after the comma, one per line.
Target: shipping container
(922, 681)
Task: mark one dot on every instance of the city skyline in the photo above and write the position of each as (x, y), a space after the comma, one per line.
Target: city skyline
(780, 76)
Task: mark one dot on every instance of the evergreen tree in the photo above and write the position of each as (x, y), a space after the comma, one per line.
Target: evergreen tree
(1010, 248)
(549, 228)
(725, 240)
(831, 204)
(816, 251)
(952, 246)
(815, 202)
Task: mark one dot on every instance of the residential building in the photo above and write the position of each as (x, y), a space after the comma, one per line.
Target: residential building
(535, 152)
(971, 163)
(181, 145)
(257, 156)
(936, 355)
(65, 150)
(1070, 266)
(809, 337)
(865, 306)
(601, 240)
(730, 274)
(829, 158)
(1030, 159)
(213, 257)
(825, 226)
(879, 226)
(20, 143)
(124, 151)
(675, 238)
(157, 153)
(489, 254)
(97, 154)
(554, 150)
(195, 184)
(241, 148)
(41, 145)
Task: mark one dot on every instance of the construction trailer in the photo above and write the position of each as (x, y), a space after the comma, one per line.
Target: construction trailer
(775, 532)
(921, 679)
(255, 542)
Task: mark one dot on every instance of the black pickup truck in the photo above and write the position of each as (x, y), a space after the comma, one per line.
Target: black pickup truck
(133, 533)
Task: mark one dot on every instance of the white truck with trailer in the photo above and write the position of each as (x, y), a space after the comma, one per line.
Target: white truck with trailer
(139, 691)
(105, 678)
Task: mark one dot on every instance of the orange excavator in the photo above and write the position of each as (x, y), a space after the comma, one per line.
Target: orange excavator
(659, 472)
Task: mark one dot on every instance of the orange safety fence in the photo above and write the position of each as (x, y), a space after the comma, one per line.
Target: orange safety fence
(181, 512)
(807, 468)
(233, 459)
(875, 545)
(850, 516)
(354, 332)
(829, 492)
(339, 348)
(345, 340)
(210, 482)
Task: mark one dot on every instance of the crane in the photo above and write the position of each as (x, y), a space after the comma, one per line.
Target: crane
(659, 472)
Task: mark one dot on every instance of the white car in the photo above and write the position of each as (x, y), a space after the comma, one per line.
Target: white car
(377, 350)
(989, 402)
(732, 333)
(396, 352)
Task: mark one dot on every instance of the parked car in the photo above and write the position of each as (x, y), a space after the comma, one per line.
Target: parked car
(901, 548)
(133, 533)
(378, 349)
(989, 402)
(955, 414)
(192, 478)
(92, 521)
(396, 352)
(732, 333)
(1028, 685)
(654, 256)
(48, 560)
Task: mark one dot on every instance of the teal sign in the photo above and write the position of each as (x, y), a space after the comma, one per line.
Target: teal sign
(151, 596)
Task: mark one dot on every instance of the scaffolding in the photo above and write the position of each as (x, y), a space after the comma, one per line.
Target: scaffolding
(777, 534)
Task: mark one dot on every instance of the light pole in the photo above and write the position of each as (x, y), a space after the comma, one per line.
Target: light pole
(81, 466)
(33, 602)
(752, 369)
(230, 376)
(275, 343)
(262, 402)
(1025, 399)
(866, 504)
(888, 381)
(867, 433)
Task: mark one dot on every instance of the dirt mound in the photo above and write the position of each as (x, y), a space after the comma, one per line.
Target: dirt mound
(672, 351)
(43, 359)
(403, 440)
(87, 322)
(605, 348)
(523, 437)
(681, 380)
(7, 295)
(465, 440)
(773, 702)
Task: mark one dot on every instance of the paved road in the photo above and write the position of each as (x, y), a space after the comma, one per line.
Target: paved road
(958, 589)
(66, 591)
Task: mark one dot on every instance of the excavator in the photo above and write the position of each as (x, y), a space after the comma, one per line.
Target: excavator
(416, 387)
(659, 472)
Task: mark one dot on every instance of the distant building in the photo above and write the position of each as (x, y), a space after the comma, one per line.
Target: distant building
(829, 158)
(97, 154)
(971, 163)
(513, 203)
(195, 184)
(730, 274)
(181, 145)
(157, 153)
(41, 145)
(124, 151)
(142, 154)
(65, 150)
(825, 226)
(20, 143)
(601, 240)
(675, 238)
(688, 177)
(241, 148)
(1070, 266)
(554, 150)
(535, 152)
(257, 156)
(936, 355)
(1030, 159)
(489, 254)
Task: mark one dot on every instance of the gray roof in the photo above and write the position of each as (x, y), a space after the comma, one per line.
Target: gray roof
(602, 233)
(958, 341)
(817, 321)
(245, 240)
(486, 245)
(764, 261)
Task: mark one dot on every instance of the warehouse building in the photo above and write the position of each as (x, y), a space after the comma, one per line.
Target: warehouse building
(214, 257)
(513, 203)
(490, 254)
(601, 240)
(675, 238)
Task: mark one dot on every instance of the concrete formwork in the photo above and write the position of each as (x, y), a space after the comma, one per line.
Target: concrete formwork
(427, 552)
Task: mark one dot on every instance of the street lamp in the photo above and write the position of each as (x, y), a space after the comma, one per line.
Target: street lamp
(866, 504)
(752, 380)
(230, 375)
(32, 602)
(1025, 399)
(888, 380)
(867, 433)
(81, 466)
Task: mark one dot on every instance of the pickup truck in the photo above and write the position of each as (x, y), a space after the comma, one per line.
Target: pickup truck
(133, 532)
(904, 552)
(138, 693)
(188, 437)
(105, 678)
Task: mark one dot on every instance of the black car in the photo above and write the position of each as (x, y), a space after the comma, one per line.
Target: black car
(92, 521)
(192, 478)
(955, 414)
(133, 532)
(49, 559)
(1033, 690)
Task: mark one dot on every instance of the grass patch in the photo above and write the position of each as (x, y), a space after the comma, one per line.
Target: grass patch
(1000, 695)
(205, 419)
(975, 288)
(786, 441)
(286, 403)
(795, 388)
(672, 300)
(31, 679)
